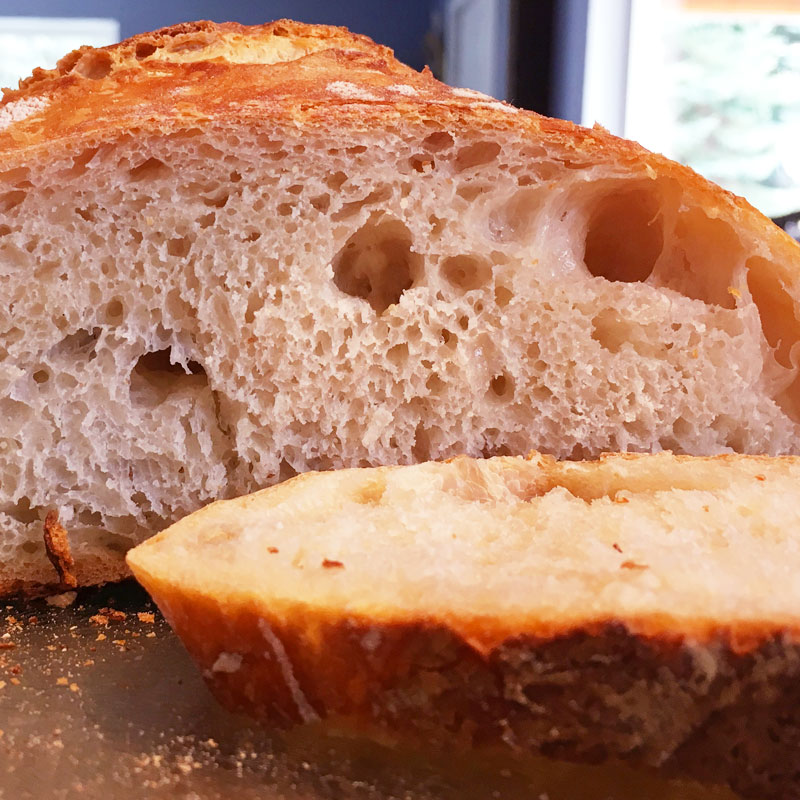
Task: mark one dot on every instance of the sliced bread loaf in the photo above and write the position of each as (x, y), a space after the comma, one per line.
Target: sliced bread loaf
(643, 608)
(231, 254)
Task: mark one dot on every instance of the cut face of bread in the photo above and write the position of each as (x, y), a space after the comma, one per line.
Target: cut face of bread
(232, 254)
(640, 607)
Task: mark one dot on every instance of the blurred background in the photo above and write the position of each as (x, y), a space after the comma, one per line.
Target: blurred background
(712, 83)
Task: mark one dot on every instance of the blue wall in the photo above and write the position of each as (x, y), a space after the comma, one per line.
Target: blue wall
(398, 24)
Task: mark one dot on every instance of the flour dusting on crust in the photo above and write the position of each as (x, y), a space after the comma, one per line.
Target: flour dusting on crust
(21, 109)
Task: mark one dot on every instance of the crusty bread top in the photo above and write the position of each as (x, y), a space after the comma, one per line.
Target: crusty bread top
(668, 546)
(316, 75)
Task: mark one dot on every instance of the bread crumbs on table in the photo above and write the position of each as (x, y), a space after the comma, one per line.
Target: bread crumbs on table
(113, 614)
(89, 662)
(98, 619)
(62, 681)
(330, 563)
(15, 681)
(146, 616)
(2, 684)
(100, 637)
(73, 687)
(150, 635)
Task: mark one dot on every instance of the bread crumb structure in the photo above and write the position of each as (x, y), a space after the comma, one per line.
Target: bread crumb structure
(233, 254)
(511, 602)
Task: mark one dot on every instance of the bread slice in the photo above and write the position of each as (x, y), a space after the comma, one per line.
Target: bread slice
(231, 254)
(643, 608)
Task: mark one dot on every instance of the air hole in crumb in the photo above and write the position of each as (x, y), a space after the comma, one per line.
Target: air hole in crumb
(23, 511)
(145, 50)
(398, 354)
(449, 338)
(706, 251)
(475, 155)
(95, 64)
(437, 141)
(189, 45)
(216, 201)
(4, 230)
(285, 209)
(254, 304)
(11, 200)
(151, 169)
(502, 386)
(253, 236)
(502, 296)
(377, 263)
(286, 470)
(336, 181)
(422, 163)
(779, 321)
(466, 273)
(179, 247)
(155, 376)
(435, 385)
(463, 322)
(114, 311)
(625, 236)
(86, 213)
(81, 161)
(356, 150)
(380, 195)
(80, 345)
(19, 177)
(421, 449)
(471, 191)
(41, 376)
(437, 224)
(207, 220)
(321, 203)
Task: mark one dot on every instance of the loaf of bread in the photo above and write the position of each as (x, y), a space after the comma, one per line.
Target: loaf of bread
(643, 608)
(232, 254)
